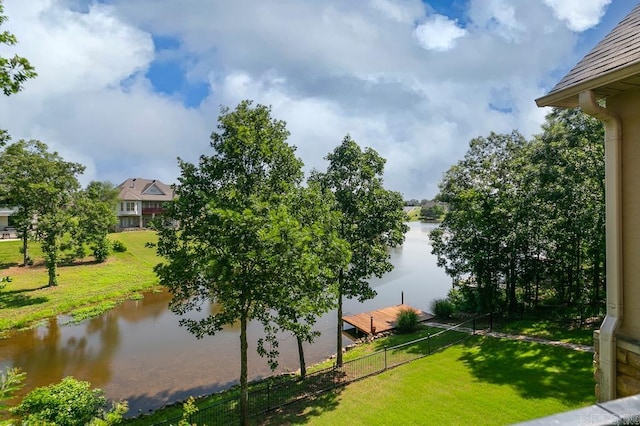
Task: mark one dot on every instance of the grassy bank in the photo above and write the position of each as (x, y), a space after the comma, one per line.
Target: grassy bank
(481, 381)
(484, 381)
(84, 288)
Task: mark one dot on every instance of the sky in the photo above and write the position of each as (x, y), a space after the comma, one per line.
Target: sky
(125, 87)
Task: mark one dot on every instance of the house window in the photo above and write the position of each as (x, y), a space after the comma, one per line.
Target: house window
(130, 206)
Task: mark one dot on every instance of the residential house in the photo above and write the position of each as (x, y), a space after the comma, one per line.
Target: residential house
(6, 229)
(606, 85)
(140, 201)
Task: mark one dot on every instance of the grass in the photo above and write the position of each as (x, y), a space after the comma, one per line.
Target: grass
(483, 381)
(564, 331)
(85, 289)
(413, 215)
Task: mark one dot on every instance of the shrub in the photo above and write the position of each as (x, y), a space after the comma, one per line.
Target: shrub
(101, 250)
(442, 308)
(68, 403)
(407, 321)
(118, 246)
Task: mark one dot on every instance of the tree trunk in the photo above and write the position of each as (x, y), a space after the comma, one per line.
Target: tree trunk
(51, 254)
(339, 328)
(244, 387)
(25, 247)
(303, 366)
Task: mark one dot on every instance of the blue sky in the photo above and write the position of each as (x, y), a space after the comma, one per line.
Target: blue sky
(127, 86)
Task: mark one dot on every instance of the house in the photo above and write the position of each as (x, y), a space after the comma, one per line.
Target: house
(140, 201)
(606, 85)
(6, 228)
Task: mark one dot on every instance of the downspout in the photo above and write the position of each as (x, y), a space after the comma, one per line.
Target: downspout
(614, 262)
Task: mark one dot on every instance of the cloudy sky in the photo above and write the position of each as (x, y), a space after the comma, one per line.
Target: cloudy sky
(127, 86)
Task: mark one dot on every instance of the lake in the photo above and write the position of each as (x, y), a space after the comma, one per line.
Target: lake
(138, 352)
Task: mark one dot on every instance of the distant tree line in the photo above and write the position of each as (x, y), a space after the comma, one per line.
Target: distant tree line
(525, 220)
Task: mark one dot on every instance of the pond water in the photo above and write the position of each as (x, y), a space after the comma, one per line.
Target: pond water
(138, 352)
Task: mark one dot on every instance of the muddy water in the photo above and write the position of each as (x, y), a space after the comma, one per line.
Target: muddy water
(138, 352)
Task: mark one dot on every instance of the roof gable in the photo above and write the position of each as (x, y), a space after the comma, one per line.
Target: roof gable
(144, 189)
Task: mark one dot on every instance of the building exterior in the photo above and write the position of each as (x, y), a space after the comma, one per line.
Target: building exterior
(6, 228)
(606, 85)
(140, 201)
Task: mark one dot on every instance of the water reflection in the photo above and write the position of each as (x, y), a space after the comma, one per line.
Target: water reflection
(138, 352)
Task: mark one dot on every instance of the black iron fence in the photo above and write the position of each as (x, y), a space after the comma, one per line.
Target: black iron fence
(283, 390)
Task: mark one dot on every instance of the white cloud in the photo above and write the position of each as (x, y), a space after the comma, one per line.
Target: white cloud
(327, 67)
(579, 15)
(439, 33)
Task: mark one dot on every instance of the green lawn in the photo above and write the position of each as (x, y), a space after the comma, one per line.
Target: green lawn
(484, 381)
(84, 289)
(564, 331)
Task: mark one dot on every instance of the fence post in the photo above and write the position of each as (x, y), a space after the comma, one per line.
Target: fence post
(269, 396)
(428, 343)
(385, 357)
(474, 326)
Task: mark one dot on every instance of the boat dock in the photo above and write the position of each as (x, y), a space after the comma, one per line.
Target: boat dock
(381, 320)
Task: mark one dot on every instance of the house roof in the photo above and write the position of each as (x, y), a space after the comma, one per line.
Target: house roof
(145, 190)
(612, 67)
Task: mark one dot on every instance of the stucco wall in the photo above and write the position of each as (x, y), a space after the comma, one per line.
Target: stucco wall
(627, 106)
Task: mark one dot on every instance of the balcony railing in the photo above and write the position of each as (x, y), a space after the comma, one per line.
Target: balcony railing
(152, 210)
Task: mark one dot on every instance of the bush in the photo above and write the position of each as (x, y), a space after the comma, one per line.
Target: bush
(442, 308)
(118, 246)
(68, 403)
(408, 321)
(101, 250)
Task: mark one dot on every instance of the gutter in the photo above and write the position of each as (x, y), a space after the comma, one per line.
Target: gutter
(614, 262)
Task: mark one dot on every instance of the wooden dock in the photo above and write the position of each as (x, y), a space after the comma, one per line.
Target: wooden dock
(382, 319)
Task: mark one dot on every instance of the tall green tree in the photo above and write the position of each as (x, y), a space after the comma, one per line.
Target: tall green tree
(16, 70)
(372, 219)
(42, 186)
(526, 218)
(94, 210)
(241, 242)
(312, 266)
(478, 237)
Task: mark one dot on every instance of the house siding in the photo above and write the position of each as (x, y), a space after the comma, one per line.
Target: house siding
(627, 107)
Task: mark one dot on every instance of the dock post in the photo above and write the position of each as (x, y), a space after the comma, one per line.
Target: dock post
(371, 328)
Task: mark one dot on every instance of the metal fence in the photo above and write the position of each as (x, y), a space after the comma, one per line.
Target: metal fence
(283, 390)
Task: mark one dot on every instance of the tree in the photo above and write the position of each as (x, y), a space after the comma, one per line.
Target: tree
(477, 238)
(312, 266)
(41, 184)
(242, 240)
(433, 212)
(371, 219)
(526, 218)
(94, 212)
(13, 71)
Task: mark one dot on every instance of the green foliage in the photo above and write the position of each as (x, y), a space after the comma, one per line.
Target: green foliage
(433, 212)
(11, 381)
(68, 403)
(42, 185)
(94, 216)
(249, 237)
(188, 408)
(13, 71)
(118, 246)
(101, 249)
(442, 308)
(372, 219)
(407, 321)
(501, 240)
